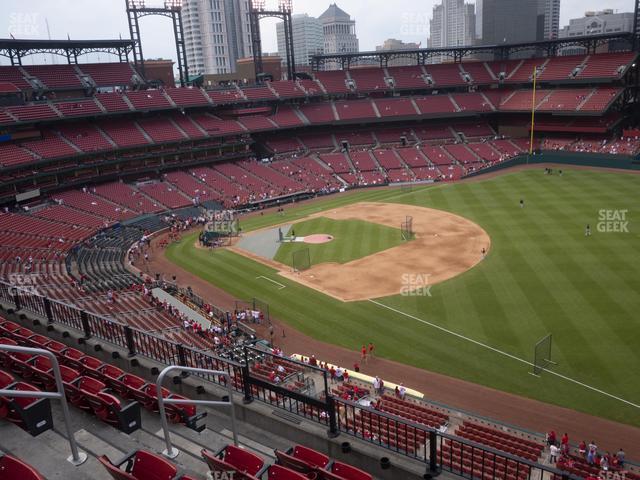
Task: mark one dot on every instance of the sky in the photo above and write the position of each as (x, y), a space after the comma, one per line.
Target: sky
(376, 20)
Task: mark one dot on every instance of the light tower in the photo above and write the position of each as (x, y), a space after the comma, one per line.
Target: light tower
(258, 11)
(137, 9)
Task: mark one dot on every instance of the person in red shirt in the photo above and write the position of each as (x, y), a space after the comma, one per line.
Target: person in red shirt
(582, 448)
(272, 376)
(363, 354)
(371, 348)
(564, 447)
(332, 374)
(356, 367)
(345, 375)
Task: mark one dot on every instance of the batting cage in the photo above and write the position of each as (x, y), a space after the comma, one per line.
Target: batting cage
(542, 355)
(301, 260)
(406, 228)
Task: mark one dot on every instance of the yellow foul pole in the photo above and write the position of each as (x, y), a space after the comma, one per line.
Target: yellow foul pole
(533, 108)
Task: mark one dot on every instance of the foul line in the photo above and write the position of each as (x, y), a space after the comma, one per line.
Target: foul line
(273, 281)
(513, 357)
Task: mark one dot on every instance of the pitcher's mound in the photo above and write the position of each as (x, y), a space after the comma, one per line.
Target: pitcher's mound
(318, 238)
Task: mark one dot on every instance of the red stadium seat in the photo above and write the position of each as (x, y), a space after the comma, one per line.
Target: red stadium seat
(12, 468)
(140, 465)
(31, 414)
(302, 459)
(232, 458)
(342, 471)
(278, 472)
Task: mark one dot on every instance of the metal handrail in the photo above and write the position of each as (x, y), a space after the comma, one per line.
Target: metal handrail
(77, 457)
(171, 452)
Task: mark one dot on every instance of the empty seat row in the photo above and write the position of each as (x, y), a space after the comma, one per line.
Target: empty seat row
(92, 384)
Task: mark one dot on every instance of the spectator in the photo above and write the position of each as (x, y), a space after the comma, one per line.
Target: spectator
(339, 373)
(356, 367)
(582, 448)
(564, 444)
(376, 384)
(345, 375)
(554, 453)
(403, 391)
(604, 462)
(592, 451)
(551, 437)
(397, 392)
(621, 457)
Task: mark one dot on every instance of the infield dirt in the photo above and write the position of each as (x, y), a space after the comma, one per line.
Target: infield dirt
(445, 245)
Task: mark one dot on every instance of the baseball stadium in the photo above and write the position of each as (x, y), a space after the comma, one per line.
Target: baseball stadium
(369, 269)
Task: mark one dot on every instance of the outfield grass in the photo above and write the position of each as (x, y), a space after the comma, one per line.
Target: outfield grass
(542, 275)
(352, 239)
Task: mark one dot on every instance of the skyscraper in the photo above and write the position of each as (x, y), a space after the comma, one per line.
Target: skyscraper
(307, 38)
(453, 24)
(548, 19)
(507, 21)
(217, 34)
(339, 31)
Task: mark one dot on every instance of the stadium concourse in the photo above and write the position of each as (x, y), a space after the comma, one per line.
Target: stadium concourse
(92, 163)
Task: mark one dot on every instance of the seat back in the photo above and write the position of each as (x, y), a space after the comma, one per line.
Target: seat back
(348, 472)
(243, 460)
(5, 379)
(111, 372)
(278, 472)
(289, 461)
(42, 363)
(148, 466)
(91, 365)
(38, 341)
(68, 374)
(310, 456)
(24, 402)
(114, 471)
(91, 385)
(12, 468)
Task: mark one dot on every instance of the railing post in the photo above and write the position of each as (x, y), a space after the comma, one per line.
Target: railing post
(248, 398)
(47, 310)
(131, 344)
(433, 452)
(84, 318)
(16, 299)
(181, 356)
(333, 421)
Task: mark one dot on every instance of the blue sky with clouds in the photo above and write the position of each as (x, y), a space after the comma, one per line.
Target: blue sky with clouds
(376, 20)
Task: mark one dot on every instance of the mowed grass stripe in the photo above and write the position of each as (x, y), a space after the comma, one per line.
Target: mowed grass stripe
(538, 249)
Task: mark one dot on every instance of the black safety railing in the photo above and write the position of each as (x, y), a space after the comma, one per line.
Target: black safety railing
(437, 450)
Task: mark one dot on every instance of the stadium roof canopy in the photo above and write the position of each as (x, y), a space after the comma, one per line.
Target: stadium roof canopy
(623, 41)
(16, 49)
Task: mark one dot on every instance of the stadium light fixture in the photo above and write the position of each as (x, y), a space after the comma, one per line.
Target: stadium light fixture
(286, 5)
(258, 5)
(173, 4)
(136, 4)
